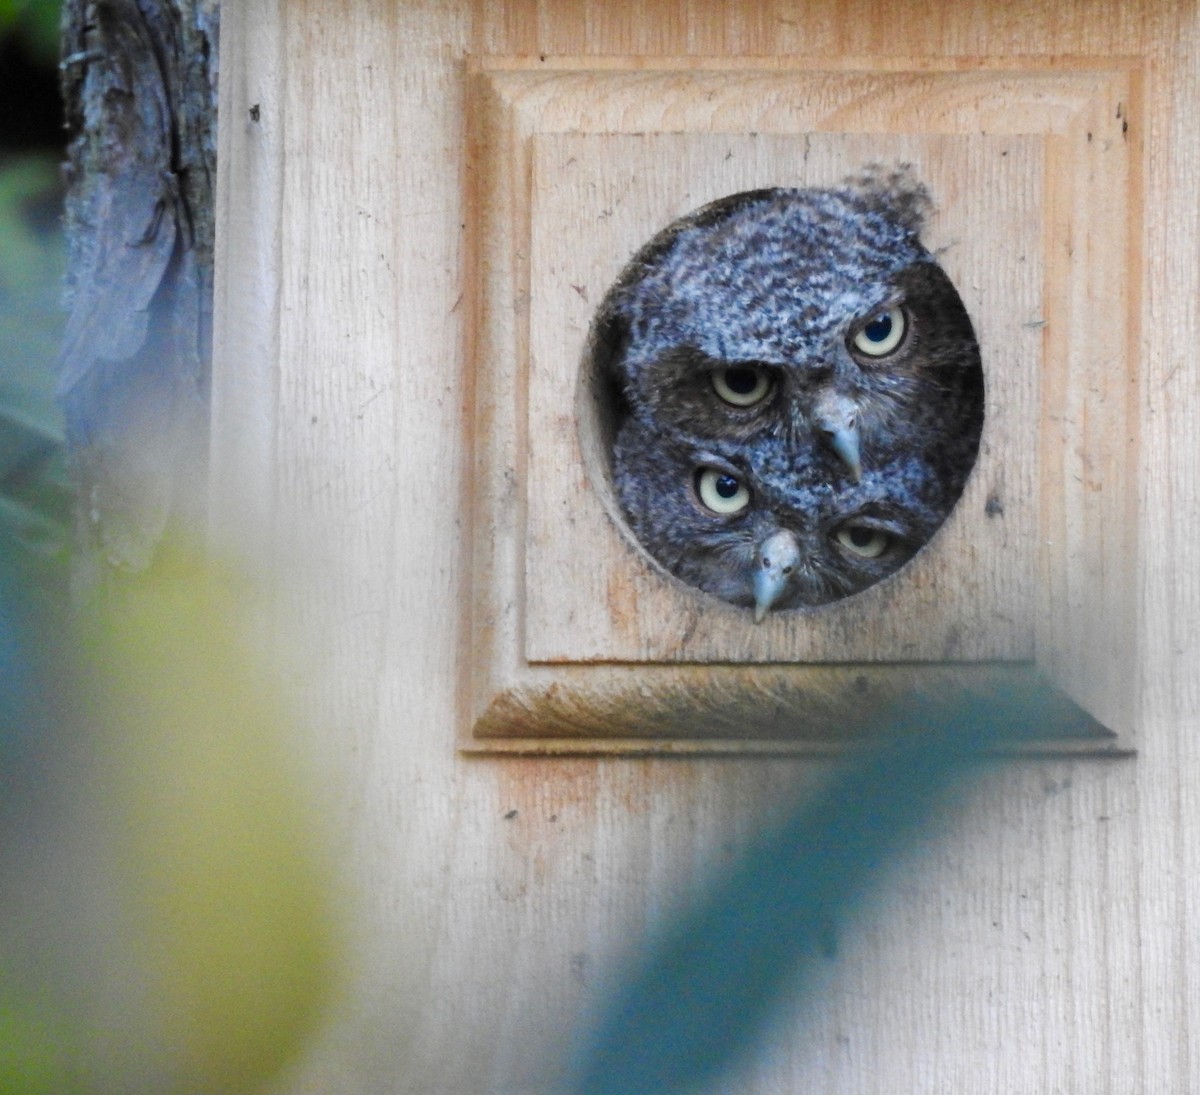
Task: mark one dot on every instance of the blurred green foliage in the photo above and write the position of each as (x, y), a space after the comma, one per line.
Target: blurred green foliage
(35, 497)
(170, 906)
(167, 900)
(35, 22)
(217, 839)
(702, 992)
(35, 494)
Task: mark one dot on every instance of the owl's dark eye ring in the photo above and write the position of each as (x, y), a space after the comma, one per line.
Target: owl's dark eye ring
(720, 492)
(865, 541)
(882, 334)
(741, 385)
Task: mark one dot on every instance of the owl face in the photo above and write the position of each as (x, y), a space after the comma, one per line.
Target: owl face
(800, 394)
(767, 527)
(864, 381)
(815, 312)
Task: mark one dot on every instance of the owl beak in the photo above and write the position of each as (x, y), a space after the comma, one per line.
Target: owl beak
(774, 564)
(837, 418)
(844, 442)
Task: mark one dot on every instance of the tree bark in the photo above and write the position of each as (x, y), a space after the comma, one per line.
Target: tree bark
(140, 87)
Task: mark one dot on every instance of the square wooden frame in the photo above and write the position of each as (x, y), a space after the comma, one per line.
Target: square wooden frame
(576, 642)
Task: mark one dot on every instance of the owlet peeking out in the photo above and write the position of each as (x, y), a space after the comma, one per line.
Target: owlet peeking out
(797, 391)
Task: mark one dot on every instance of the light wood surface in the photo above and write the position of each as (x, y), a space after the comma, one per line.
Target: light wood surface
(575, 164)
(1044, 940)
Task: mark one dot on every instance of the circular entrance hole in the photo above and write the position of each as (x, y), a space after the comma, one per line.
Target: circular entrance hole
(782, 393)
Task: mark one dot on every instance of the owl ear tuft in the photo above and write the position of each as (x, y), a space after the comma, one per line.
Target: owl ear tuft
(895, 191)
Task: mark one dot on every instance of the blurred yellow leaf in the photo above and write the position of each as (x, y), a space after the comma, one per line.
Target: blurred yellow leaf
(229, 886)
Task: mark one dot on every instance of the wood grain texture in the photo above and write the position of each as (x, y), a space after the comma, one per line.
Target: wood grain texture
(596, 199)
(576, 162)
(1043, 942)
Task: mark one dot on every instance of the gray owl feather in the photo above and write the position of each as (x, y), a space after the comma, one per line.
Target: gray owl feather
(796, 389)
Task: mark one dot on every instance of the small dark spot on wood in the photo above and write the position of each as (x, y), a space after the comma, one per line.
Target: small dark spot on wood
(581, 290)
(554, 817)
(542, 57)
(510, 815)
(1089, 137)
(255, 113)
(1124, 128)
(861, 684)
(313, 421)
(994, 507)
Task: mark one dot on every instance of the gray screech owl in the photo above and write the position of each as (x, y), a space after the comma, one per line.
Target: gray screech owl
(796, 389)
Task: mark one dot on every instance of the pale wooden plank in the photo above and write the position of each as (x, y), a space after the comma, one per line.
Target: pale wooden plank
(1036, 948)
(803, 28)
(968, 595)
(1170, 623)
(562, 27)
(245, 420)
(521, 110)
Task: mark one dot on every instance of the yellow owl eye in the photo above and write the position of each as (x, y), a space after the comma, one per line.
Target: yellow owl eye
(863, 541)
(741, 385)
(720, 492)
(880, 335)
